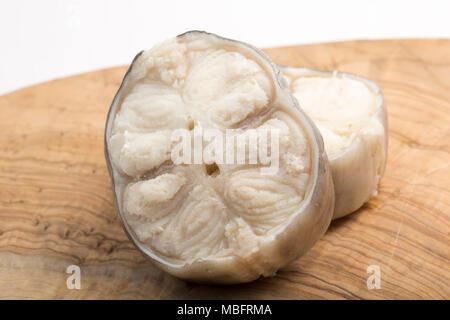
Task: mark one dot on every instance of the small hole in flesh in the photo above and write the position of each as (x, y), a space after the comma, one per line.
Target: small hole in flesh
(191, 124)
(212, 169)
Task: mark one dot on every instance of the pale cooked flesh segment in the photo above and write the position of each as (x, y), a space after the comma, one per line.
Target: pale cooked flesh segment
(226, 85)
(340, 107)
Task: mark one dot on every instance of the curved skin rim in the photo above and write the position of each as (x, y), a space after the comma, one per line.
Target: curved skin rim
(319, 162)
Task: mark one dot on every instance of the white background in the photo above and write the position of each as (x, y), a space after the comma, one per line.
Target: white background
(45, 39)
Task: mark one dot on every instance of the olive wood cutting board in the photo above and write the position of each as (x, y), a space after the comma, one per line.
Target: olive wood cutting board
(57, 210)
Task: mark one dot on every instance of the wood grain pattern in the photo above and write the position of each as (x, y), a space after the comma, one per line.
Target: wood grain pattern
(56, 204)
